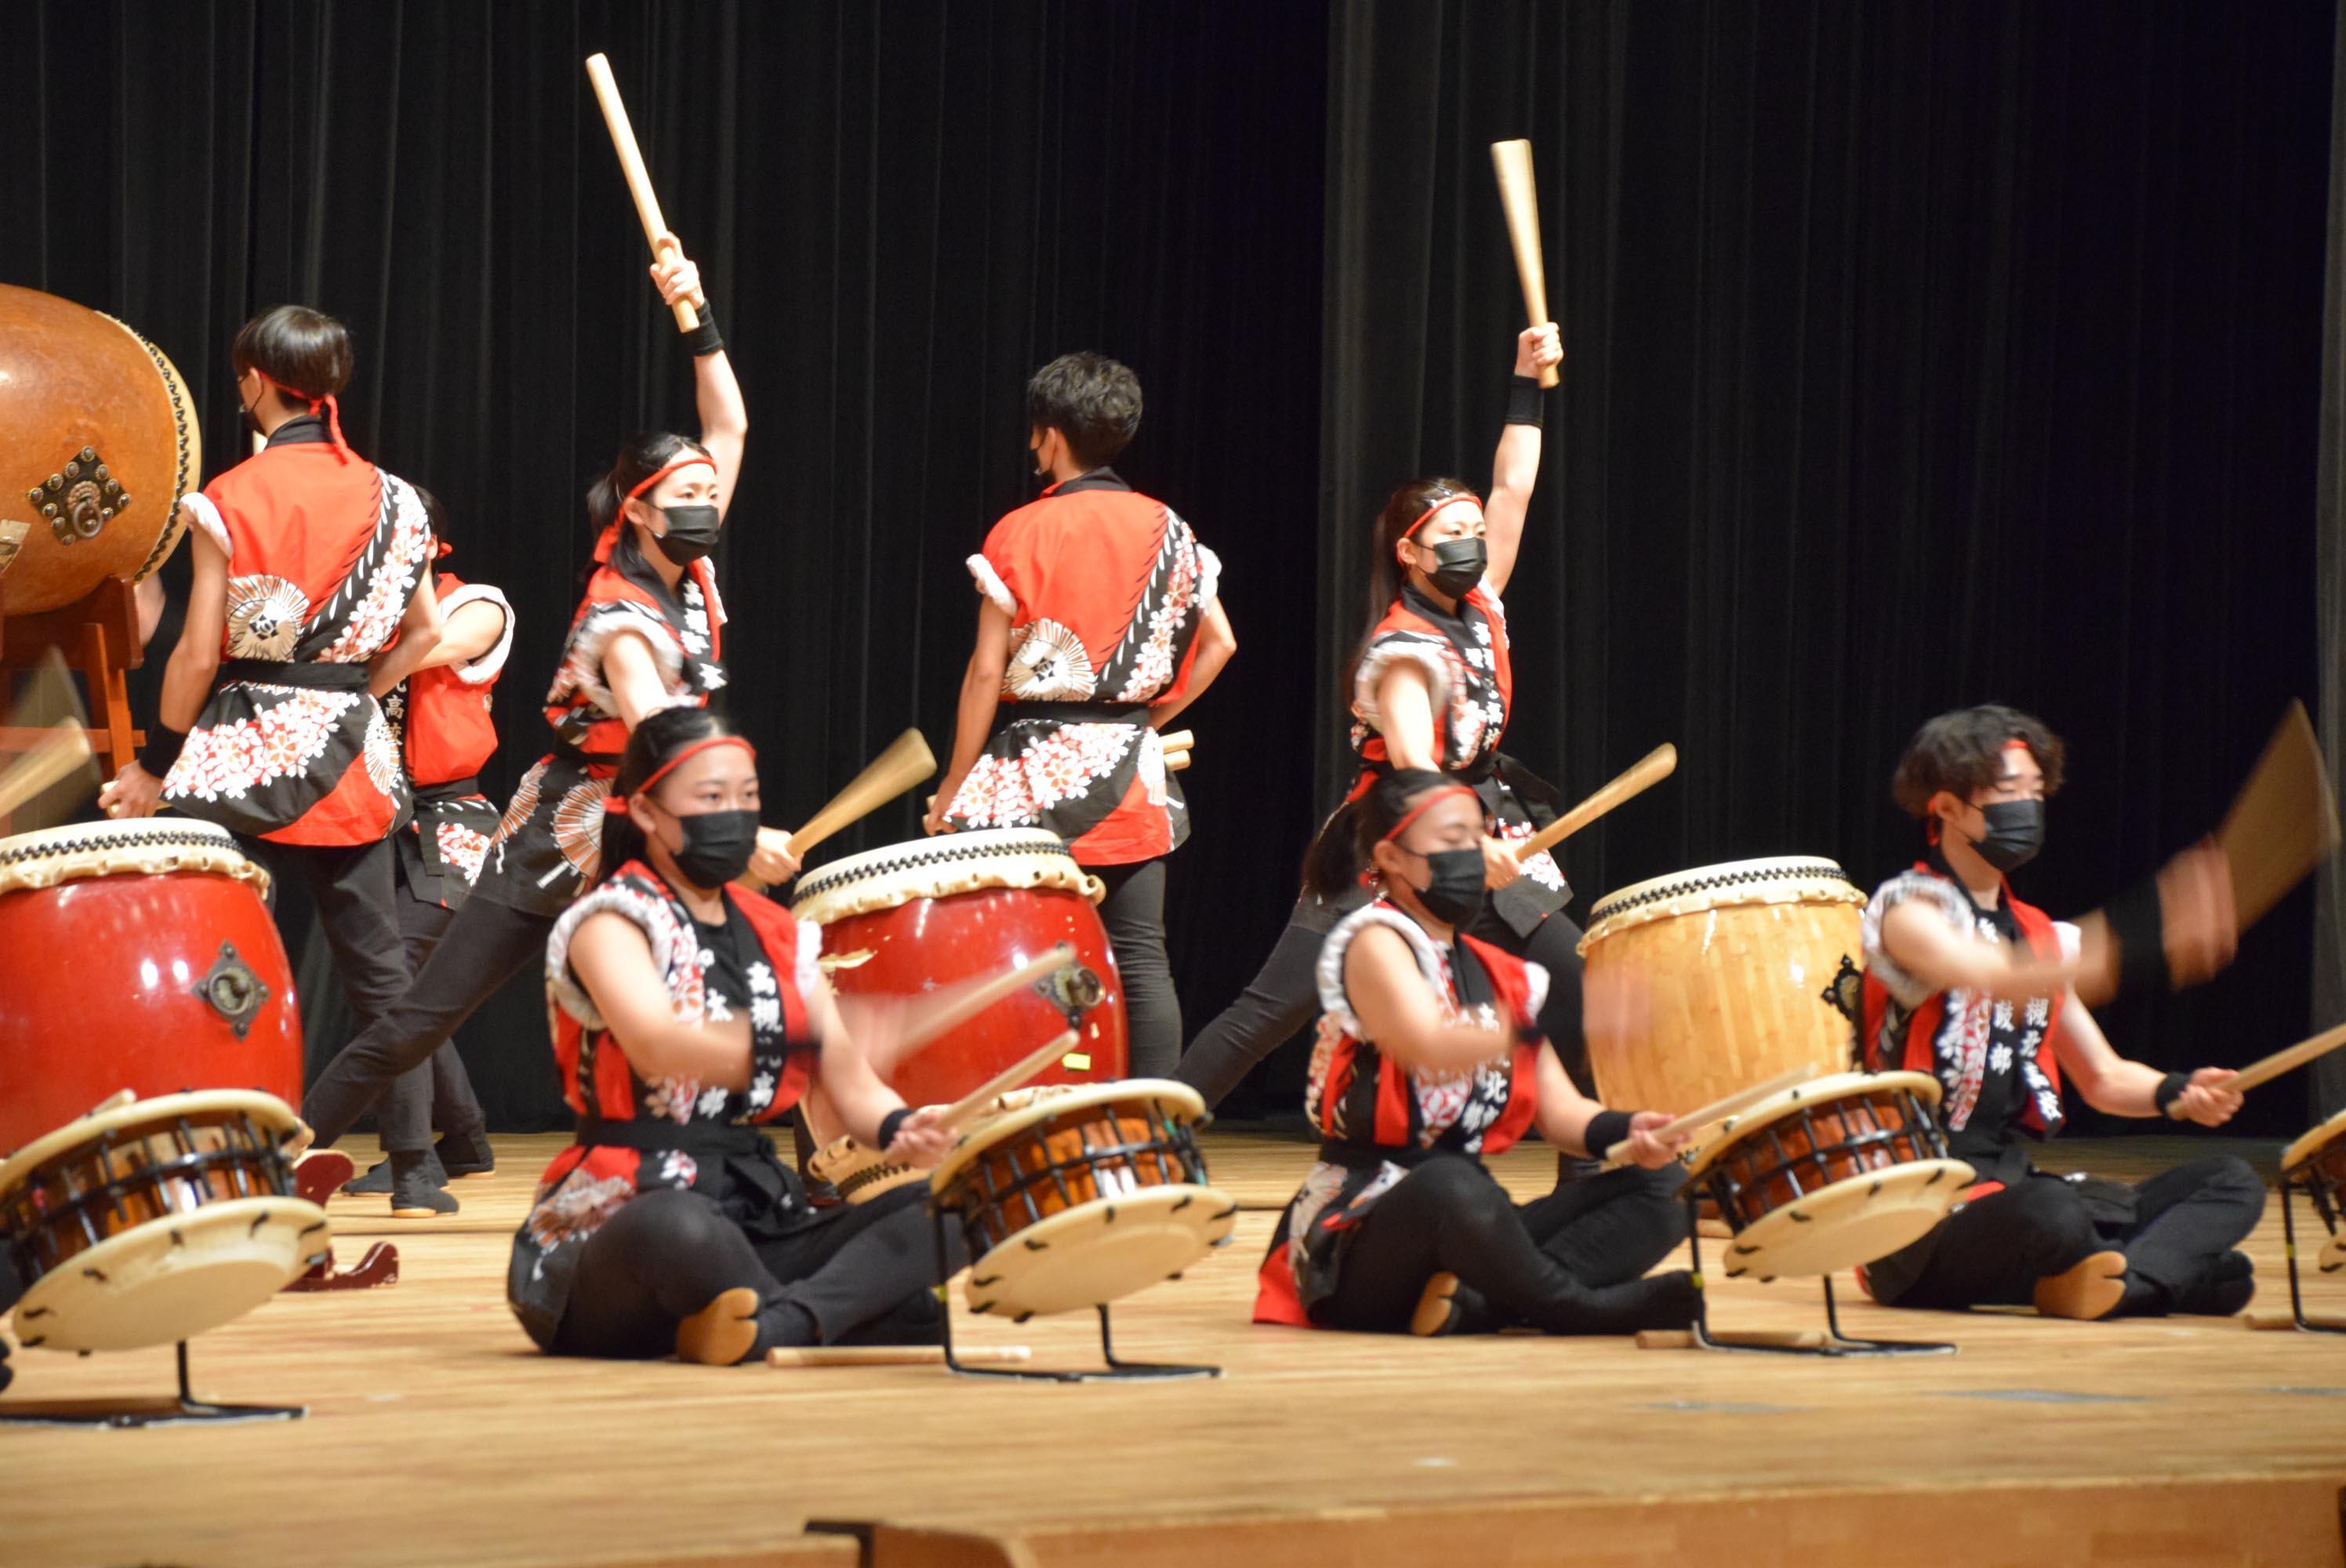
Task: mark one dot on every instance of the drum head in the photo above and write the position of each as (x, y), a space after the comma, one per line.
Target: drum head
(148, 846)
(1785, 878)
(938, 867)
(1816, 1094)
(1141, 1099)
(171, 1279)
(2303, 1151)
(1849, 1222)
(1099, 1251)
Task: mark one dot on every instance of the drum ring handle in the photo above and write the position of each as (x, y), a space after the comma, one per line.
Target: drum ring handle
(1073, 989)
(233, 991)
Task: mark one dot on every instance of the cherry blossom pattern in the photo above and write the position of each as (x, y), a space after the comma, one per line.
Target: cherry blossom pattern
(281, 740)
(461, 847)
(375, 619)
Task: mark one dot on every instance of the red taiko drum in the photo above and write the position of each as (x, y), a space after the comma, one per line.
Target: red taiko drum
(140, 957)
(916, 917)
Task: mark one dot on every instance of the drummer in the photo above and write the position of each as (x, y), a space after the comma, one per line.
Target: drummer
(310, 598)
(646, 635)
(1098, 621)
(1431, 686)
(689, 1015)
(1429, 1056)
(1964, 981)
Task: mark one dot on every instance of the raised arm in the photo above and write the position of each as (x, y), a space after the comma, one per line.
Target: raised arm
(1514, 469)
(724, 417)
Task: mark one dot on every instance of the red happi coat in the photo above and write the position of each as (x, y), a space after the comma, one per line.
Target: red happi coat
(1378, 1118)
(1106, 589)
(448, 734)
(323, 551)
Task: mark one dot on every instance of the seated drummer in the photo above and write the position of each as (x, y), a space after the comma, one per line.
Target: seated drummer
(690, 1015)
(1429, 1057)
(1965, 982)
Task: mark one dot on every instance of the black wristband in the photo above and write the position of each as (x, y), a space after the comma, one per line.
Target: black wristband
(1526, 402)
(702, 340)
(162, 748)
(2170, 1089)
(892, 1124)
(1604, 1129)
(2140, 931)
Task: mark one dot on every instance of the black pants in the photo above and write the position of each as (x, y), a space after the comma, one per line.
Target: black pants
(352, 888)
(1536, 1262)
(1133, 914)
(437, 1094)
(486, 945)
(1991, 1252)
(862, 1273)
(1284, 996)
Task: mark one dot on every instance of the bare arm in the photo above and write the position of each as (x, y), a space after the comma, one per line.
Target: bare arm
(1514, 469)
(1405, 712)
(2114, 1085)
(187, 676)
(466, 635)
(1927, 947)
(612, 958)
(981, 693)
(1397, 1009)
(1565, 1113)
(724, 417)
(419, 638)
(633, 678)
(1216, 644)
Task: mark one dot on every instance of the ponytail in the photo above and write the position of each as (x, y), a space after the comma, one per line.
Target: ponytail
(1345, 848)
(659, 737)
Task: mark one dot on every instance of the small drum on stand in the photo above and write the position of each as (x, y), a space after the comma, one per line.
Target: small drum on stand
(146, 979)
(1829, 1174)
(2316, 1164)
(1078, 1199)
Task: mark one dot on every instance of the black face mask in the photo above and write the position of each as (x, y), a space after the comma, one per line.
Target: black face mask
(1459, 565)
(717, 846)
(1453, 891)
(691, 533)
(2015, 832)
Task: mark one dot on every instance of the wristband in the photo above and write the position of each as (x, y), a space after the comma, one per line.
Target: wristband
(2141, 929)
(1526, 403)
(2170, 1089)
(162, 748)
(1606, 1128)
(892, 1124)
(702, 340)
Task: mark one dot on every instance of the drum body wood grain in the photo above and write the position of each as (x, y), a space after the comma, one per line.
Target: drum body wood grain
(98, 441)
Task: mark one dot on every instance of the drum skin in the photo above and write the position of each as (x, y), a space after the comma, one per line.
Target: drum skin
(102, 994)
(1764, 1167)
(934, 942)
(1735, 993)
(1061, 1144)
(72, 381)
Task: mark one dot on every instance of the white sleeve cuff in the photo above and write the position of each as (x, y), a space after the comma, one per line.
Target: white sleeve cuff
(1536, 984)
(583, 662)
(1399, 647)
(1209, 577)
(1333, 1000)
(990, 584)
(809, 976)
(208, 518)
(489, 665)
(660, 928)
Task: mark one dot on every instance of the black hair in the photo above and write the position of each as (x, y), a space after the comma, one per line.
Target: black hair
(1410, 503)
(1089, 399)
(659, 736)
(306, 352)
(640, 457)
(435, 516)
(1348, 838)
(1962, 751)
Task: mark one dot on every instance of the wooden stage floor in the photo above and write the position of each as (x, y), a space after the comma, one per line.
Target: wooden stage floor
(437, 1435)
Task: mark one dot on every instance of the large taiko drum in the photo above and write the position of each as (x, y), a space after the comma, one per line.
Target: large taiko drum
(137, 955)
(2316, 1162)
(150, 1046)
(914, 918)
(97, 443)
(1739, 962)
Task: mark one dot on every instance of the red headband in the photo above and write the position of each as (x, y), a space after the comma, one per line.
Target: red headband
(615, 804)
(609, 539)
(333, 410)
(1445, 500)
(1368, 873)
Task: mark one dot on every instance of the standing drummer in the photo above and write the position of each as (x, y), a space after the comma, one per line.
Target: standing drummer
(1965, 982)
(1098, 622)
(310, 598)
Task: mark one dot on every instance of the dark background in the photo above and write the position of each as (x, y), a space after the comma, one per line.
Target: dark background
(1918, 354)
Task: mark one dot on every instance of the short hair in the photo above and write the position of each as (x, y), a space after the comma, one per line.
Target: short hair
(1089, 399)
(306, 352)
(1962, 751)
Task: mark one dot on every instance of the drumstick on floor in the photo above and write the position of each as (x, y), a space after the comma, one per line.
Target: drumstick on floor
(1643, 774)
(1718, 1110)
(893, 1355)
(2279, 1062)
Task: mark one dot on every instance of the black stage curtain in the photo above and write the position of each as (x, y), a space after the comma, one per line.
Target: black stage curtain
(2328, 1076)
(901, 210)
(1917, 355)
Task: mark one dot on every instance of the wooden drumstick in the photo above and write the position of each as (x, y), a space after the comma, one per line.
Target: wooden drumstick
(1177, 748)
(1719, 1110)
(905, 763)
(2274, 1065)
(893, 1355)
(1519, 194)
(55, 756)
(1015, 1076)
(640, 182)
(2284, 821)
(959, 1007)
(1647, 771)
